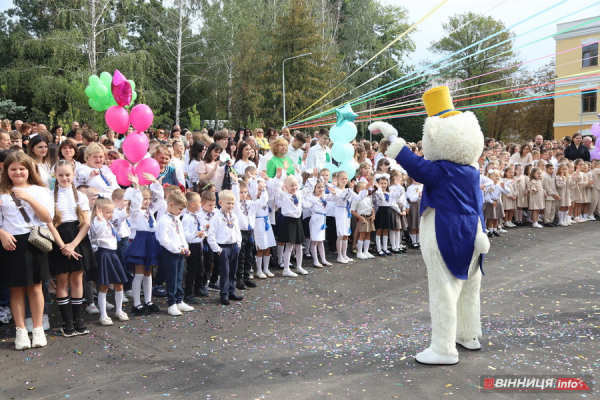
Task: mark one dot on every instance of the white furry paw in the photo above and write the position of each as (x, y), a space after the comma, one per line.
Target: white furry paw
(395, 148)
(384, 128)
(430, 357)
(472, 344)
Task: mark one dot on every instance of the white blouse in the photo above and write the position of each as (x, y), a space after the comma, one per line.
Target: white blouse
(289, 207)
(240, 166)
(105, 183)
(170, 235)
(11, 219)
(103, 234)
(66, 204)
(143, 220)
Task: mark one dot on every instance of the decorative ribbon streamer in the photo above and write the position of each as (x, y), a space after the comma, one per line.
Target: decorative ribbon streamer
(377, 54)
(266, 218)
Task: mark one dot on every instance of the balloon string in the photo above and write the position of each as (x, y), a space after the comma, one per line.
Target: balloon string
(396, 83)
(377, 54)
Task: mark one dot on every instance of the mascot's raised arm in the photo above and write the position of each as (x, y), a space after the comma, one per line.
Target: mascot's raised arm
(452, 237)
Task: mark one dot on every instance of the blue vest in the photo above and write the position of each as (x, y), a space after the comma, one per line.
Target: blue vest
(453, 191)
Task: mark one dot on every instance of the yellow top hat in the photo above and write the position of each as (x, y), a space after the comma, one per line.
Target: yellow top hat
(438, 102)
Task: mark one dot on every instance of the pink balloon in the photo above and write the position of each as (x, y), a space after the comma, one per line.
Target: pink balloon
(117, 119)
(149, 165)
(121, 89)
(141, 117)
(135, 146)
(595, 154)
(121, 168)
(596, 129)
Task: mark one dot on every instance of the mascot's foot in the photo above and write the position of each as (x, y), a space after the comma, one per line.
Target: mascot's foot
(472, 344)
(430, 357)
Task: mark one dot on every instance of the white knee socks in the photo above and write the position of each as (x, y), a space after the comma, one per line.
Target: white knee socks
(266, 260)
(322, 251)
(298, 255)
(359, 247)
(385, 243)
(378, 242)
(102, 304)
(281, 255)
(119, 301)
(258, 265)
(147, 285)
(307, 246)
(136, 288)
(286, 257)
(313, 251)
(366, 244)
(344, 249)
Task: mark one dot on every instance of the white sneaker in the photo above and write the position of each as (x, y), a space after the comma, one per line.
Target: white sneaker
(342, 261)
(125, 299)
(261, 275)
(502, 230)
(361, 256)
(173, 310)
(45, 322)
(289, 274)
(22, 339)
(509, 224)
(128, 293)
(536, 225)
(29, 324)
(92, 309)
(591, 218)
(302, 271)
(184, 307)
(122, 316)
(105, 321)
(269, 274)
(39, 338)
(348, 259)
(562, 224)
(326, 263)
(110, 306)
(369, 255)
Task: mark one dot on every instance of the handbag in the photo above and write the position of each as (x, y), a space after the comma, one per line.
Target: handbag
(227, 181)
(40, 236)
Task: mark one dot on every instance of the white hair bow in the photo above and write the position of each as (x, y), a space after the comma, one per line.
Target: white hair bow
(383, 175)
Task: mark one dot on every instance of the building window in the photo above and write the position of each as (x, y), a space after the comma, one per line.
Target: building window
(588, 101)
(589, 55)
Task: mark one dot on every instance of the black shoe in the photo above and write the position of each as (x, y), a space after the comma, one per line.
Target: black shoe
(549, 225)
(236, 297)
(490, 234)
(496, 233)
(396, 251)
(387, 252)
(202, 292)
(554, 225)
(214, 287)
(381, 254)
(403, 249)
(308, 255)
(81, 328)
(152, 307)
(225, 301)
(190, 299)
(240, 285)
(416, 246)
(68, 330)
(159, 291)
(249, 283)
(140, 310)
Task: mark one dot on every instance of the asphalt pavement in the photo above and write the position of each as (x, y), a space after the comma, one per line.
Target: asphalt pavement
(344, 332)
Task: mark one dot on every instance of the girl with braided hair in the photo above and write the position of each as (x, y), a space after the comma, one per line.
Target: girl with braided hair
(71, 253)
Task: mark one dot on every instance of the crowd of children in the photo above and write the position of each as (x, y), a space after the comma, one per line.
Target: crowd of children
(211, 224)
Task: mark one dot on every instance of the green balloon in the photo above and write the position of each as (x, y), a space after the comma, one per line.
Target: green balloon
(93, 80)
(101, 90)
(96, 106)
(106, 78)
(112, 101)
(90, 92)
(133, 97)
(132, 83)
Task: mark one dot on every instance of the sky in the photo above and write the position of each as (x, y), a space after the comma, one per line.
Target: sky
(508, 11)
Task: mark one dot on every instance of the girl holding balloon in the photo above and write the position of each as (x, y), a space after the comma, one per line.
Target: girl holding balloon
(94, 173)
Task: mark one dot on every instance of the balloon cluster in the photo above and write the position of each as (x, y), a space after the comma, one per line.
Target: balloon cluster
(101, 92)
(595, 154)
(341, 134)
(135, 145)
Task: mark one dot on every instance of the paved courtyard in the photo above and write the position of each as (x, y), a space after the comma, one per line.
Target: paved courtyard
(345, 332)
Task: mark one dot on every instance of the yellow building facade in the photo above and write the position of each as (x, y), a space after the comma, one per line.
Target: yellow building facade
(577, 107)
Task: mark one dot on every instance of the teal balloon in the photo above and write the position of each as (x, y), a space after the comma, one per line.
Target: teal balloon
(342, 152)
(132, 83)
(96, 106)
(332, 168)
(101, 90)
(345, 113)
(344, 133)
(348, 168)
(106, 78)
(90, 92)
(93, 80)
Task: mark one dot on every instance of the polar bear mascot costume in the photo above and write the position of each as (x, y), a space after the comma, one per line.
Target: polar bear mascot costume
(452, 239)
